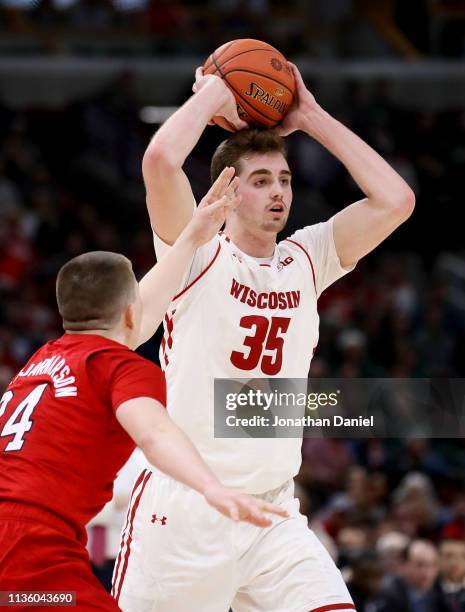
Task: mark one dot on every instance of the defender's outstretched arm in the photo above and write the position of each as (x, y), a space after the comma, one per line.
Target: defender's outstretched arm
(160, 284)
(168, 448)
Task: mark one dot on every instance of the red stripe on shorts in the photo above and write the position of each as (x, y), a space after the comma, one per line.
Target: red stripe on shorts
(331, 607)
(131, 524)
(136, 485)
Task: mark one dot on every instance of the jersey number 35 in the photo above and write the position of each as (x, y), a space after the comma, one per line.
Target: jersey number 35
(265, 344)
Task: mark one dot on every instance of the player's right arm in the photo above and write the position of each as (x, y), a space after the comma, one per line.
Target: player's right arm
(170, 201)
(168, 448)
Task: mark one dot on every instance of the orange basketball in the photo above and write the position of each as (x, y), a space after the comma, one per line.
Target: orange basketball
(259, 77)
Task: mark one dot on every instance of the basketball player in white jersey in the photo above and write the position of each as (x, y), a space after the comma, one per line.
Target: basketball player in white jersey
(246, 309)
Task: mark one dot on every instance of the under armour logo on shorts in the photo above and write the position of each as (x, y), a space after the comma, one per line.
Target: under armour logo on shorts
(155, 519)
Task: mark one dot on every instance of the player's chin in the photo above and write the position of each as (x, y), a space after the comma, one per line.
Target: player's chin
(275, 225)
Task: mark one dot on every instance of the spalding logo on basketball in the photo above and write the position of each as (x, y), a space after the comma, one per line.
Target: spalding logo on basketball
(259, 77)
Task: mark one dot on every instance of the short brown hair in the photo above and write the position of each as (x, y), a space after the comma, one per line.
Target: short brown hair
(93, 290)
(244, 142)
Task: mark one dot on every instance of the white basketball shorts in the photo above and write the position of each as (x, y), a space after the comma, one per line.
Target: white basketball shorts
(180, 555)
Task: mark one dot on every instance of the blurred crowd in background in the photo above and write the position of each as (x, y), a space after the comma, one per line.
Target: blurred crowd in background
(392, 512)
(339, 28)
(70, 181)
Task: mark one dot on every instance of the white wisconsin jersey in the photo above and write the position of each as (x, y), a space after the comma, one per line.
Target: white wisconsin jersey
(237, 317)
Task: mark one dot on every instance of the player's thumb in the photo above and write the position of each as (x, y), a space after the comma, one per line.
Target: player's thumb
(234, 512)
(235, 120)
(239, 124)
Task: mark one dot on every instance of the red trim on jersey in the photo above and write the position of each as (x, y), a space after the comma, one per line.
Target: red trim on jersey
(118, 562)
(167, 340)
(131, 525)
(266, 265)
(200, 275)
(163, 348)
(169, 323)
(330, 607)
(308, 257)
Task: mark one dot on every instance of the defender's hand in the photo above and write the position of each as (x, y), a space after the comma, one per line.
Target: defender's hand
(303, 105)
(240, 507)
(227, 103)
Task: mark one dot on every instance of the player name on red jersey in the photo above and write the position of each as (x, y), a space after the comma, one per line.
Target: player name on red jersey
(59, 372)
(273, 300)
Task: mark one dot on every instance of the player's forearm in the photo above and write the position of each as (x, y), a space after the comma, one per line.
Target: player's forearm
(160, 284)
(172, 452)
(375, 177)
(180, 133)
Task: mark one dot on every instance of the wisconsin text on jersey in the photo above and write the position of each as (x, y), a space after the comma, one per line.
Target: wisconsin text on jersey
(272, 299)
(59, 372)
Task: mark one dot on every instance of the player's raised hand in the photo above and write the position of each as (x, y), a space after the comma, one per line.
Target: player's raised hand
(304, 103)
(227, 103)
(241, 507)
(213, 208)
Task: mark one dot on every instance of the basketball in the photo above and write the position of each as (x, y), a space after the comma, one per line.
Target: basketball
(259, 77)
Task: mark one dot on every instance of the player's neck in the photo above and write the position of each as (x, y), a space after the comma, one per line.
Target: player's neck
(111, 334)
(255, 244)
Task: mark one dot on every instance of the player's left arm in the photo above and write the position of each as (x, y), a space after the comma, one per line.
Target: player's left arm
(168, 448)
(389, 201)
(161, 283)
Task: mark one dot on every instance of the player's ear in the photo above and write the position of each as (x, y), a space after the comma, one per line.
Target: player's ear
(130, 316)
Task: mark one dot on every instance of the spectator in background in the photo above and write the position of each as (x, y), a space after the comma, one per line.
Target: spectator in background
(415, 506)
(358, 504)
(436, 344)
(391, 548)
(365, 583)
(455, 528)
(413, 590)
(324, 467)
(352, 541)
(450, 585)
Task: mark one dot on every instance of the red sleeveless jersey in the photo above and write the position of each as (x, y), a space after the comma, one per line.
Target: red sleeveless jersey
(61, 445)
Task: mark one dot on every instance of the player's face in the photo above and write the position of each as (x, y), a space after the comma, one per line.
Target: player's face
(265, 187)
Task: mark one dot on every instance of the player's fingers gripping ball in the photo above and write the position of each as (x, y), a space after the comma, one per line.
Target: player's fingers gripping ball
(259, 77)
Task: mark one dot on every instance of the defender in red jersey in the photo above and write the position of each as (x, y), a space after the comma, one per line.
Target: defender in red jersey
(71, 417)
